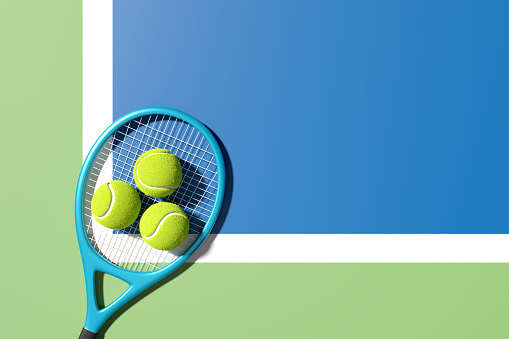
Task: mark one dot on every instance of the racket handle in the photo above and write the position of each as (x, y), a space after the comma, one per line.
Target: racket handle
(86, 334)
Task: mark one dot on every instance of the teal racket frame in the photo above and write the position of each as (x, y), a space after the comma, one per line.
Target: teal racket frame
(94, 262)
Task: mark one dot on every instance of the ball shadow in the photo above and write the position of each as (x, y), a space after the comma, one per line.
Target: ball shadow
(187, 196)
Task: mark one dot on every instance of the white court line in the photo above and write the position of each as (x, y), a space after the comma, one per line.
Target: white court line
(245, 248)
(354, 248)
(97, 69)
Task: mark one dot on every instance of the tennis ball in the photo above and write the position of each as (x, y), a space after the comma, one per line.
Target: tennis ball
(116, 204)
(164, 226)
(157, 173)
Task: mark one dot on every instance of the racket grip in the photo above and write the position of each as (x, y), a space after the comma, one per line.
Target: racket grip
(86, 334)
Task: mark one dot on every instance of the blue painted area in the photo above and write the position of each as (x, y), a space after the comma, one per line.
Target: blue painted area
(338, 116)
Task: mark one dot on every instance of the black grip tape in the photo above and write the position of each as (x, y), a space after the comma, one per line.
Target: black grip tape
(86, 334)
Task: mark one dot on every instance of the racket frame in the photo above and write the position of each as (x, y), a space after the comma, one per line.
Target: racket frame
(93, 262)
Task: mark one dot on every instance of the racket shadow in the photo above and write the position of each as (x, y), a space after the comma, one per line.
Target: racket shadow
(204, 248)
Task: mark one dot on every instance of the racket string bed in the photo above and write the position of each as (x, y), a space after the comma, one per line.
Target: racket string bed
(115, 161)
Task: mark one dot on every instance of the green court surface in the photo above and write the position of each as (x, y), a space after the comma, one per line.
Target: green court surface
(324, 301)
(42, 285)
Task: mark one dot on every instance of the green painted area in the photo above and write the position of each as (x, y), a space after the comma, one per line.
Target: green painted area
(40, 144)
(42, 284)
(324, 301)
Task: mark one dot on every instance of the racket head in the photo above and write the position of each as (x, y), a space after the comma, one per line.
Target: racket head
(170, 129)
(201, 195)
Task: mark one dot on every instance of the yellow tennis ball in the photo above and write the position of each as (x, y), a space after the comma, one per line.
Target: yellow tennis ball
(116, 204)
(157, 173)
(164, 226)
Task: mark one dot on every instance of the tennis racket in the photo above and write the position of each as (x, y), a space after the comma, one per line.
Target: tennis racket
(123, 253)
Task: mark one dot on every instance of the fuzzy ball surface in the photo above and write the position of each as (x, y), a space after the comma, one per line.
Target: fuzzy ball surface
(157, 173)
(164, 226)
(116, 204)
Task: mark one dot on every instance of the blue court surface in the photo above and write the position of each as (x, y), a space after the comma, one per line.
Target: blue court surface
(337, 116)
